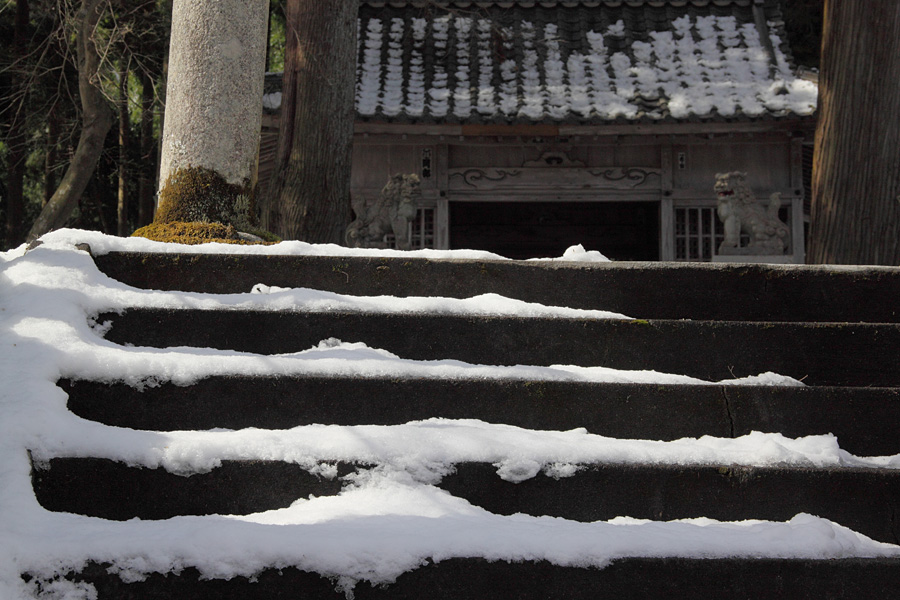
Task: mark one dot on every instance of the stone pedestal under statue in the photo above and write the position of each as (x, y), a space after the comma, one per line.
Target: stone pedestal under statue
(772, 259)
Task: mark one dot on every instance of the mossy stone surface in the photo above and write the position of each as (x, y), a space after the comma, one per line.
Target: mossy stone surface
(199, 195)
(192, 233)
(197, 205)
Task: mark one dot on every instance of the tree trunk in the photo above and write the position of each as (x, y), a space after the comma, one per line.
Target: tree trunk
(122, 204)
(96, 122)
(15, 185)
(213, 104)
(148, 155)
(52, 158)
(163, 84)
(99, 198)
(856, 165)
(16, 140)
(269, 40)
(57, 59)
(310, 195)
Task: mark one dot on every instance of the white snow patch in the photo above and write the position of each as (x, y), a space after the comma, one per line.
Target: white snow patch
(272, 101)
(49, 294)
(577, 253)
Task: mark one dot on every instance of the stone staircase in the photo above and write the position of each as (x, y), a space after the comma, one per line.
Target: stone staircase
(834, 328)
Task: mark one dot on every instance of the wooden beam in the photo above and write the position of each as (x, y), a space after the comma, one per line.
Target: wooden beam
(806, 124)
(407, 128)
(538, 129)
(270, 121)
(803, 125)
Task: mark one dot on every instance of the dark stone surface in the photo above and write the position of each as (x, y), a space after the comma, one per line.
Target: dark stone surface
(615, 410)
(865, 500)
(643, 290)
(103, 488)
(476, 579)
(865, 420)
(849, 354)
(840, 354)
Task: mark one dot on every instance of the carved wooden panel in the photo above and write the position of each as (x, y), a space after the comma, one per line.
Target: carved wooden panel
(554, 178)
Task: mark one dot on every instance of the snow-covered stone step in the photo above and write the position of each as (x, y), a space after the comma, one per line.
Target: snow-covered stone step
(864, 420)
(854, 354)
(112, 490)
(474, 578)
(864, 499)
(656, 290)
(440, 490)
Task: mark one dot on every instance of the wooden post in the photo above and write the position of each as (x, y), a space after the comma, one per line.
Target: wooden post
(666, 206)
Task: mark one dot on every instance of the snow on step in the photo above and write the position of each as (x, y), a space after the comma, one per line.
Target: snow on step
(863, 419)
(47, 297)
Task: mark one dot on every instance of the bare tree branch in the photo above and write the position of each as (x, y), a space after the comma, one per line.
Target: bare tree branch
(97, 120)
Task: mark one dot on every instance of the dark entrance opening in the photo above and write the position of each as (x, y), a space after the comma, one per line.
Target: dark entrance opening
(620, 230)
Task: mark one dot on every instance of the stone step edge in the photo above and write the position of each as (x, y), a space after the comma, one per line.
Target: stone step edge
(477, 578)
(756, 292)
(708, 350)
(862, 418)
(863, 499)
(345, 467)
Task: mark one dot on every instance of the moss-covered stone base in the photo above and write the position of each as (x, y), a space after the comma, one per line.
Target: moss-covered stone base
(197, 205)
(193, 233)
(199, 195)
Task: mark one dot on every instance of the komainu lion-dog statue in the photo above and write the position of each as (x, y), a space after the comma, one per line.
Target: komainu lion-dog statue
(391, 213)
(741, 213)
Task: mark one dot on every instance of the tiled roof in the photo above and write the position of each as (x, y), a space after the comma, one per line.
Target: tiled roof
(547, 3)
(574, 62)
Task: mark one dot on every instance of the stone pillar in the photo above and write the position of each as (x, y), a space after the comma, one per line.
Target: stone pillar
(215, 86)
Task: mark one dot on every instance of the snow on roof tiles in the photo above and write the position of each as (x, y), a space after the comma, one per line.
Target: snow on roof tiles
(549, 3)
(568, 61)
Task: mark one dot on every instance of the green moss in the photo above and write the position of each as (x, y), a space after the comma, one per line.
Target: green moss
(341, 268)
(267, 236)
(537, 389)
(192, 233)
(199, 195)
(197, 205)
